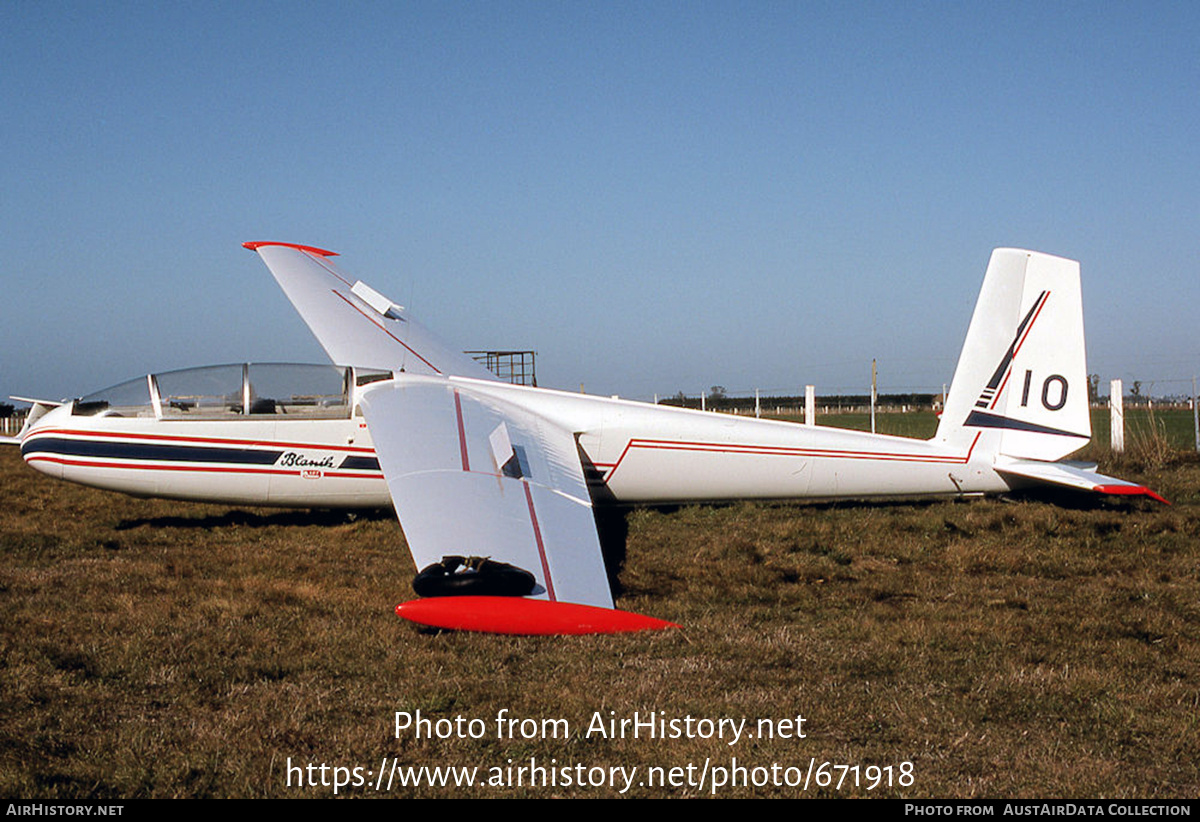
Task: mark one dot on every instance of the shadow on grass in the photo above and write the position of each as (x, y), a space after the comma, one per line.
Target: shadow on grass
(1081, 500)
(612, 528)
(297, 518)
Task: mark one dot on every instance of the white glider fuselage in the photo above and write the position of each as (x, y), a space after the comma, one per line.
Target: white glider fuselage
(652, 454)
(1017, 404)
(635, 453)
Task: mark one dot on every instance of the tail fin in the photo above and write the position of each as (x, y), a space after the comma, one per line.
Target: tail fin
(1022, 375)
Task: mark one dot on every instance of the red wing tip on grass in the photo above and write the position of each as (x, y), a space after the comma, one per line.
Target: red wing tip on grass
(1133, 490)
(527, 617)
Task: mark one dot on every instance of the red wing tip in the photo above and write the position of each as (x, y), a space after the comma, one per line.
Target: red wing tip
(255, 246)
(527, 617)
(1131, 490)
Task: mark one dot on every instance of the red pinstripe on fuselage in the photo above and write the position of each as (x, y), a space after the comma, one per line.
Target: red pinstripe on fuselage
(299, 463)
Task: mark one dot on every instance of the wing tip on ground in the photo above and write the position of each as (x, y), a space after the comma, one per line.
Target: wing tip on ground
(526, 617)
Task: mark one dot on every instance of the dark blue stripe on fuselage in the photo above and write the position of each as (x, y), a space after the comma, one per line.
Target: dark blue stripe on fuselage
(146, 451)
(360, 464)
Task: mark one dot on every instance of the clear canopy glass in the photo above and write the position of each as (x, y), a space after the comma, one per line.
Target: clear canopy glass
(236, 390)
(211, 391)
(292, 388)
(127, 399)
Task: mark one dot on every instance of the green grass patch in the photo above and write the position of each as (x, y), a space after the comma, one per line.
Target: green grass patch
(1004, 648)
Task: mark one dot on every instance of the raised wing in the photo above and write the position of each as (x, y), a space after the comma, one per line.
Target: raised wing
(469, 473)
(474, 475)
(355, 324)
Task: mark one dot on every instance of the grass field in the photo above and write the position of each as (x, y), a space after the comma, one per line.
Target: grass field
(1003, 648)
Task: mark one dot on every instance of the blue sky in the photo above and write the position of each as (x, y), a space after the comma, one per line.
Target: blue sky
(655, 196)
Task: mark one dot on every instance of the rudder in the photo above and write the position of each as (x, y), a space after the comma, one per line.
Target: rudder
(1022, 374)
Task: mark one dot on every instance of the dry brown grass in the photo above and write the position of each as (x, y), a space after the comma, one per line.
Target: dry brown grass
(1007, 649)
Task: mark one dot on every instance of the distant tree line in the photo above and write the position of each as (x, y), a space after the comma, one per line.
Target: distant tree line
(718, 400)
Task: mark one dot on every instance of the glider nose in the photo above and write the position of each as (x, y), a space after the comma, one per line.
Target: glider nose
(42, 464)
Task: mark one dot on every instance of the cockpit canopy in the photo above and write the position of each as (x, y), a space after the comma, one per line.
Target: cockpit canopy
(294, 390)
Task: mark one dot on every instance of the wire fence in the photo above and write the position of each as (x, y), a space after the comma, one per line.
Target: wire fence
(9, 426)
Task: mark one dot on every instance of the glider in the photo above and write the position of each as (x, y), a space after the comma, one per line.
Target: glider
(477, 466)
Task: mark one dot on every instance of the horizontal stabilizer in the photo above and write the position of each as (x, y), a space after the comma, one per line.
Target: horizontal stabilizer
(1077, 475)
(529, 617)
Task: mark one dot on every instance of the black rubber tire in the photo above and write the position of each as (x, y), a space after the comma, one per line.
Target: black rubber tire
(496, 579)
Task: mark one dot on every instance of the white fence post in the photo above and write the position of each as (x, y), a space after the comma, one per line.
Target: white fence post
(1116, 405)
(873, 396)
(1195, 414)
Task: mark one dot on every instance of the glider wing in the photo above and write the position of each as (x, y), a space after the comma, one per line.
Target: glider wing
(475, 475)
(355, 324)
